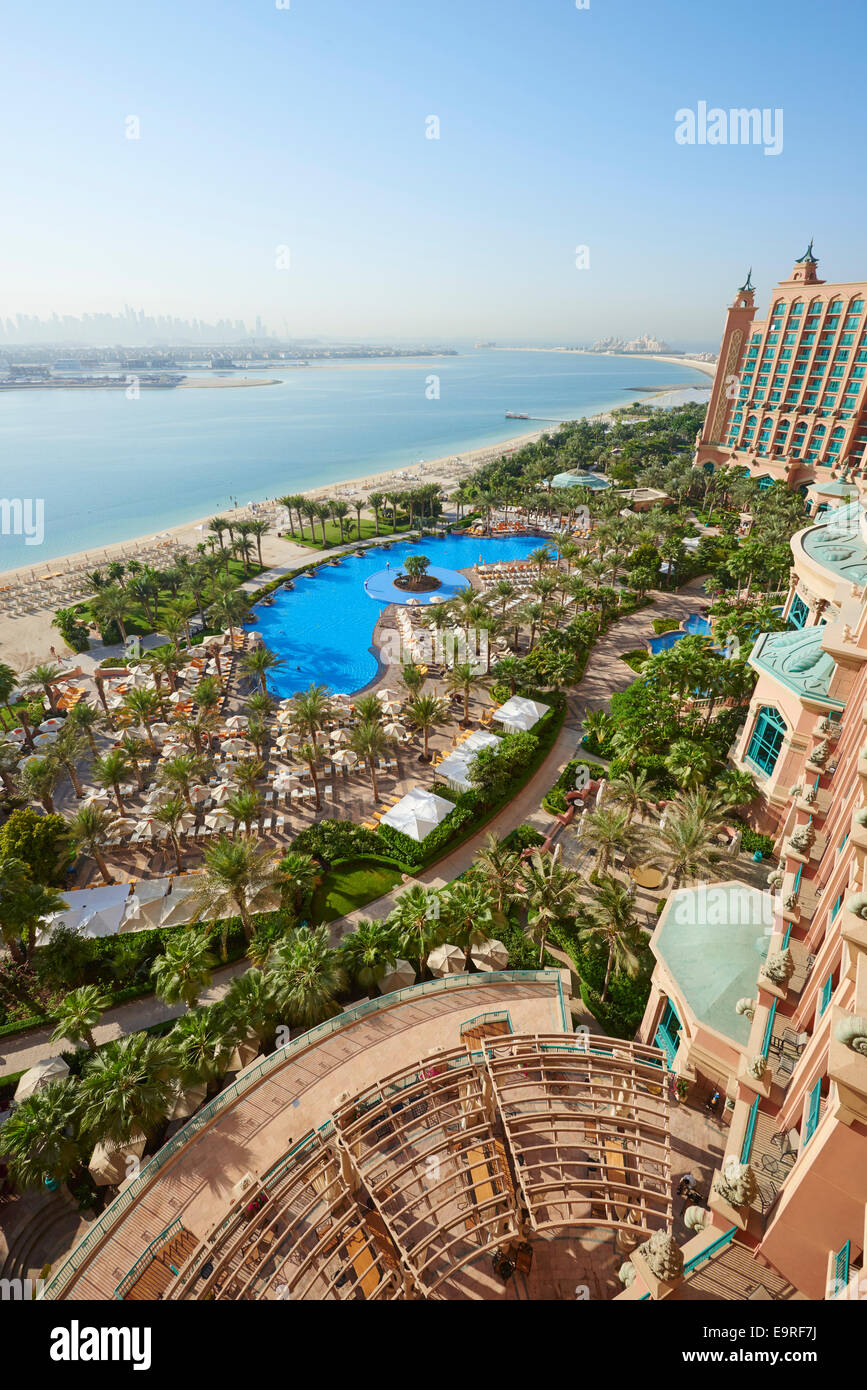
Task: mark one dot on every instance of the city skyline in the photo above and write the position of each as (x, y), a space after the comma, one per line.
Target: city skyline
(406, 180)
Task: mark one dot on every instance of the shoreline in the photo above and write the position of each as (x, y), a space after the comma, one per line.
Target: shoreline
(448, 470)
(709, 368)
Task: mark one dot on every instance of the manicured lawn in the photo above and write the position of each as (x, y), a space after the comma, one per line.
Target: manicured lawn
(137, 623)
(332, 531)
(350, 886)
(635, 659)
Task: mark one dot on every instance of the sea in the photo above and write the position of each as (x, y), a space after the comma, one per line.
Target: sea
(112, 465)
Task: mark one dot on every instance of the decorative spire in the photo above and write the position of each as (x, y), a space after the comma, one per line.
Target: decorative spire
(748, 285)
(808, 258)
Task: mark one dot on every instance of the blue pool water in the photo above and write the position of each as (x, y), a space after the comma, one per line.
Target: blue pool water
(323, 628)
(694, 625)
(381, 586)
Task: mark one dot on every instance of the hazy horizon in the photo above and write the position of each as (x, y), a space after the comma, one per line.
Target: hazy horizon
(280, 165)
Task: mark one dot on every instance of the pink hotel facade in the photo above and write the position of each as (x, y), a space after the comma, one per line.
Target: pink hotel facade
(764, 995)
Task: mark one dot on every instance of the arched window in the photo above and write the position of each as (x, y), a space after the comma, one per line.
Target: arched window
(767, 739)
(799, 612)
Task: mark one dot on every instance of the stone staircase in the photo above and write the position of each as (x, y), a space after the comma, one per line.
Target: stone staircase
(37, 1230)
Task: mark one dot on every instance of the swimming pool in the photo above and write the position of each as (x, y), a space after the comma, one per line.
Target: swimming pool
(695, 625)
(323, 628)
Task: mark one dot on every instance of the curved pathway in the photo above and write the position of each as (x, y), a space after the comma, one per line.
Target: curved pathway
(604, 674)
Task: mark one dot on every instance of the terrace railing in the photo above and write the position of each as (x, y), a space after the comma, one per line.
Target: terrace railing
(99, 1231)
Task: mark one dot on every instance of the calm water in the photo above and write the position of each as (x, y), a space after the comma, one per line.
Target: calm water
(695, 625)
(323, 628)
(110, 469)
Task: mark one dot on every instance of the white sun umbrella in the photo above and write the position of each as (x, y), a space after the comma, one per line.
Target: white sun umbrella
(446, 960)
(221, 793)
(284, 715)
(386, 694)
(122, 827)
(339, 736)
(198, 793)
(52, 724)
(344, 757)
(394, 730)
(490, 955)
(15, 735)
(161, 728)
(235, 722)
(39, 1075)
(285, 741)
(400, 977)
(218, 820)
(97, 799)
(390, 706)
(109, 1164)
(177, 696)
(41, 740)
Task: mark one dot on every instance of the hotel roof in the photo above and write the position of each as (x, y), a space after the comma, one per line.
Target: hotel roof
(837, 544)
(713, 939)
(798, 661)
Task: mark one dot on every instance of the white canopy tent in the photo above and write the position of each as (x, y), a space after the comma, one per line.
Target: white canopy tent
(519, 714)
(455, 767)
(91, 911)
(417, 813)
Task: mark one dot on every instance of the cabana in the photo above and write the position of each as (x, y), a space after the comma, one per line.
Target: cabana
(455, 768)
(91, 912)
(520, 714)
(417, 813)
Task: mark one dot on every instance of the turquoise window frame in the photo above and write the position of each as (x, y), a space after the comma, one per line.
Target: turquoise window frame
(825, 996)
(812, 1116)
(769, 730)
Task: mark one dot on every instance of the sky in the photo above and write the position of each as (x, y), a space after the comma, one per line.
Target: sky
(282, 166)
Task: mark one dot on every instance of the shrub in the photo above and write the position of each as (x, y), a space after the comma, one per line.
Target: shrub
(329, 840)
(37, 840)
(751, 840)
(524, 837)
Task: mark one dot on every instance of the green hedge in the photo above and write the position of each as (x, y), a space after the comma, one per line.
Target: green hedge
(555, 799)
(751, 840)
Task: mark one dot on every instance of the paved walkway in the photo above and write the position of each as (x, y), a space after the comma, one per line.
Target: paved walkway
(605, 674)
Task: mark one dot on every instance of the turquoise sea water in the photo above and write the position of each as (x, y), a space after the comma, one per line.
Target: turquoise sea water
(323, 628)
(110, 469)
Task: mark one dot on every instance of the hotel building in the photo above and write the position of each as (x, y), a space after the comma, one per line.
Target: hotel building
(763, 996)
(789, 398)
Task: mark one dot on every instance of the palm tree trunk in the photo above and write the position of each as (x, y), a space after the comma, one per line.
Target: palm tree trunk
(116, 789)
(373, 780)
(604, 993)
(101, 864)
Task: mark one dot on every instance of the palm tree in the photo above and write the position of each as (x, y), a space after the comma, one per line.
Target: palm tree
(88, 718)
(464, 678)
(126, 1089)
(597, 724)
(737, 788)
(237, 873)
(138, 752)
(299, 874)
(412, 677)
(145, 707)
(39, 780)
(246, 807)
(218, 525)
(550, 889)
(258, 529)
(503, 590)
(110, 771)
(685, 845)
(541, 556)
(170, 814)
(339, 512)
(8, 682)
(311, 754)
(633, 791)
(47, 676)
(201, 1044)
(609, 919)
(608, 829)
(370, 741)
(112, 605)
(311, 710)
(248, 772)
(308, 976)
(40, 1137)
(184, 970)
(259, 662)
(89, 831)
(376, 500)
(499, 867)
(78, 1013)
(250, 1004)
(468, 917)
(230, 609)
(181, 773)
(69, 747)
(416, 918)
(689, 763)
(23, 905)
(426, 712)
(369, 952)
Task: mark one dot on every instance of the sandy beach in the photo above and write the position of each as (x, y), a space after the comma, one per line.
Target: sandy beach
(25, 641)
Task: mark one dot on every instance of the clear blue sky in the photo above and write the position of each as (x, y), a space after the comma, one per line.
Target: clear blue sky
(305, 127)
